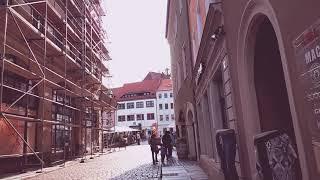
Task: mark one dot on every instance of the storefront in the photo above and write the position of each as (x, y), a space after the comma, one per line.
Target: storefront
(274, 70)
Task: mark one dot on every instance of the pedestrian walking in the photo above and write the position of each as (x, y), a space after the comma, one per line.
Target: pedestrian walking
(154, 148)
(138, 138)
(163, 153)
(167, 143)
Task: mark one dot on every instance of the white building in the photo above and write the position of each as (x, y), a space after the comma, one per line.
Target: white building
(165, 109)
(146, 105)
(137, 107)
(137, 113)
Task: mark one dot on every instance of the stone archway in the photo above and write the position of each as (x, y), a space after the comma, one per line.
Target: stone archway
(192, 129)
(251, 110)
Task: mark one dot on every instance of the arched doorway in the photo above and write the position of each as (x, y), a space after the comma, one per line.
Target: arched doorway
(193, 135)
(271, 91)
(269, 82)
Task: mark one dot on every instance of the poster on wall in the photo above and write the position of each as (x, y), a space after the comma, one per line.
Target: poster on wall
(307, 53)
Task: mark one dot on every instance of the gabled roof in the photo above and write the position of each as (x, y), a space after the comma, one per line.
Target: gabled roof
(145, 86)
(165, 85)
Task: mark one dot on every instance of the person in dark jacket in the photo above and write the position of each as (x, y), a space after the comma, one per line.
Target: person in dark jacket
(167, 143)
(154, 148)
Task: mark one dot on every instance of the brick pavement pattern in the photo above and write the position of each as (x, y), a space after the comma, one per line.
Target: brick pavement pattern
(175, 169)
(134, 162)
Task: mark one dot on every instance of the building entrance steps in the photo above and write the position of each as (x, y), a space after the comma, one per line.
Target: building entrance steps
(175, 169)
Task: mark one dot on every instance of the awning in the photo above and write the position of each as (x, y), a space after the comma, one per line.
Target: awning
(121, 129)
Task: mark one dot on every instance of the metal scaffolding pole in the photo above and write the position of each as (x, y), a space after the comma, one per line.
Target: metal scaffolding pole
(44, 46)
(4, 52)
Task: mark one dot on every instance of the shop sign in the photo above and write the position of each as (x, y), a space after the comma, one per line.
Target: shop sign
(307, 63)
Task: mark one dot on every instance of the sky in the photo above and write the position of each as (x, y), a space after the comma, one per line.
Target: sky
(136, 39)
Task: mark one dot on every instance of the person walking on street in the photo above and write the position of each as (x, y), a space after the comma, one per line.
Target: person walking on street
(154, 148)
(167, 141)
(164, 153)
(138, 138)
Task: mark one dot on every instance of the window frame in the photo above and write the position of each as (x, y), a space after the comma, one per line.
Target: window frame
(140, 119)
(130, 106)
(150, 114)
(129, 117)
(120, 105)
(149, 105)
(141, 104)
(122, 120)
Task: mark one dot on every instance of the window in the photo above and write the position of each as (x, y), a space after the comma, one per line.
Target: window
(130, 118)
(121, 106)
(167, 117)
(130, 105)
(172, 117)
(171, 105)
(149, 104)
(171, 94)
(139, 104)
(160, 106)
(160, 96)
(150, 116)
(166, 106)
(140, 117)
(121, 118)
(161, 117)
(165, 95)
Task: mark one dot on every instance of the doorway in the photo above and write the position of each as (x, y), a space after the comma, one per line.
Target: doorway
(271, 91)
(269, 82)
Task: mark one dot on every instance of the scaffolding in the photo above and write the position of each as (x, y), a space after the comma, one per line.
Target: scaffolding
(51, 93)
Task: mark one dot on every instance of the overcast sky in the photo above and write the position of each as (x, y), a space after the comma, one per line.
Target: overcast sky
(136, 31)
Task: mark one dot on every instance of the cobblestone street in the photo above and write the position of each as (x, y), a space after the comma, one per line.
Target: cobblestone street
(114, 165)
(134, 162)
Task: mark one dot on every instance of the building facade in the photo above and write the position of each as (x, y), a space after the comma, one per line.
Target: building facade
(165, 107)
(146, 105)
(137, 113)
(273, 79)
(137, 103)
(254, 70)
(52, 63)
(177, 34)
(212, 85)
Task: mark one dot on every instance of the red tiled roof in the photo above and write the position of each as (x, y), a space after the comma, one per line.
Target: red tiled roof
(150, 86)
(166, 85)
